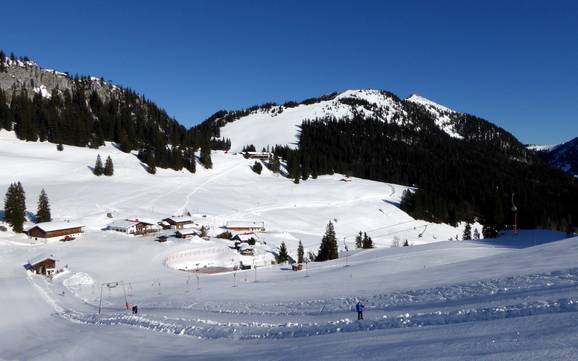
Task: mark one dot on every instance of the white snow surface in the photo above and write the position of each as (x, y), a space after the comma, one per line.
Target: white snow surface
(513, 298)
(280, 124)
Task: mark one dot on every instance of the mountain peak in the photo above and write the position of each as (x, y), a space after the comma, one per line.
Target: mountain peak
(418, 99)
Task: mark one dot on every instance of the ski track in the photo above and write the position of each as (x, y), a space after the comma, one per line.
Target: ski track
(455, 296)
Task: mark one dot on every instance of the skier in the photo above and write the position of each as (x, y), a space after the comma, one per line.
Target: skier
(359, 307)
(134, 309)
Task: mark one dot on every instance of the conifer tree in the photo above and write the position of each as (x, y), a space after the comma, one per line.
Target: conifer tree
(467, 232)
(60, 147)
(43, 212)
(108, 167)
(151, 165)
(203, 231)
(359, 240)
(282, 256)
(257, 167)
(98, 168)
(276, 164)
(300, 253)
(206, 157)
(476, 235)
(367, 241)
(15, 207)
(328, 248)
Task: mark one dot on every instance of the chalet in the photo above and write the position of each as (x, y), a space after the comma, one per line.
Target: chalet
(245, 226)
(134, 227)
(179, 222)
(246, 250)
(43, 265)
(187, 233)
(245, 237)
(54, 230)
(258, 155)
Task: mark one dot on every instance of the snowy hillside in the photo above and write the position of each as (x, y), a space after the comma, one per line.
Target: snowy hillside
(280, 124)
(473, 297)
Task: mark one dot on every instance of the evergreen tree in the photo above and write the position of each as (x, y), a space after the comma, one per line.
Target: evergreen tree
(204, 231)
(283, 256)
(43, 212)
(359, 240)
(15, 207)
(257, 167)
(60, 147)
(467, 232)
(276, 164)
(151, 165)
(98, 168)
(300, 253)
(328, 248)
(476, 235)
(489, 232)
(406, 243)
(367, 241)
(206, 157)
(108, 167)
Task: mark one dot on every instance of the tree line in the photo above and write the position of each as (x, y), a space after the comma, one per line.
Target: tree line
(15, 207)
(455, 179)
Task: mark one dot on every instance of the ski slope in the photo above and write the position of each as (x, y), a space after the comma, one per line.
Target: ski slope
(279, 125)
(511, 298)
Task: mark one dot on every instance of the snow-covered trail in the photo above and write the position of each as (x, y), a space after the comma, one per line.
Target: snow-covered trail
(512, 297)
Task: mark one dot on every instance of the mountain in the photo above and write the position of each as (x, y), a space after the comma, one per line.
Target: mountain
(563, 156)
(462, 167)
(47, 105)
(272, 124)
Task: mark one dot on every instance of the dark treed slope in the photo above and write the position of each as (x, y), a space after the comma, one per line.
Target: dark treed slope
(563, 156)
(41, 104)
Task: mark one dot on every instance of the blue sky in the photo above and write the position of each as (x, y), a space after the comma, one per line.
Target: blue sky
(514, 63)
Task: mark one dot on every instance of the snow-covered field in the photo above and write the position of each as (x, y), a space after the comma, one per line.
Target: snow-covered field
(513, 298)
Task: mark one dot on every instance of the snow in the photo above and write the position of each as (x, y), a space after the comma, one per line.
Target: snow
(245, 224)
(441, 114)
(511, 298)
(279, 125)
(43, 91)
(53, 226)
(269, 127)
(542, 148)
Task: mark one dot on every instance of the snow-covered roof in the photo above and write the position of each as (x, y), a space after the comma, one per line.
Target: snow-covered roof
(187, 231)
(180, 219)
(54, 226)
(245, 247)
(245, 224)
(40, 258)
(122, 223)
(245, 236)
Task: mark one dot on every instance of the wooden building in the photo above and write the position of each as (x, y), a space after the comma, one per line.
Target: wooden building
(54, 230)
(246, 250)
(187, 233)
(179, 222)
(43, 266)
(245, 226)
(134, 227)
(258, 155)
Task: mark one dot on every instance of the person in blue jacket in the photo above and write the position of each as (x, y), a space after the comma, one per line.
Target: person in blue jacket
(359, 307)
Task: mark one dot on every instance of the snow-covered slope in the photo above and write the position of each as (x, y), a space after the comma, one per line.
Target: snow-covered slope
(280, 124)
(441, 114)
(486, 298)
